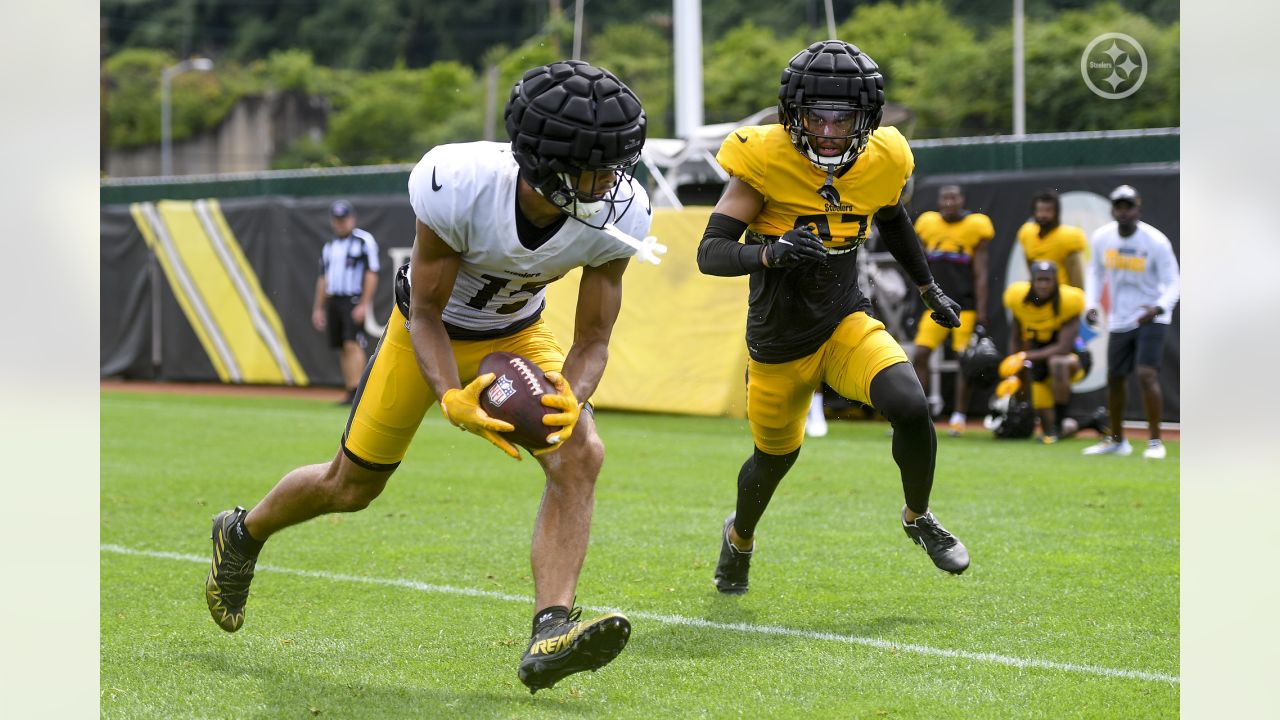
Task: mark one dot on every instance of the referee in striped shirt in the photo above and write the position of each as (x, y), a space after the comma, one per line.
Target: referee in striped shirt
(344, 292)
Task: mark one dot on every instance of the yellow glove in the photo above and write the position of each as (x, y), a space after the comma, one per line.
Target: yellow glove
(1008, 386)
(567, 419)
(462, 408)
(1013, 364)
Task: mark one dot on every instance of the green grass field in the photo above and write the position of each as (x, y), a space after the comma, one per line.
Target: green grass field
(419, 606)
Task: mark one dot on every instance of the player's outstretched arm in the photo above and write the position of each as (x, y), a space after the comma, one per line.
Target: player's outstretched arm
(720, 253)
(599, 302)
(433, 270)
(903, 243)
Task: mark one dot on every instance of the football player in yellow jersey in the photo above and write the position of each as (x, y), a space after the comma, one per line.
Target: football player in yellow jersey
(955, 241)
(804, 191)
(1046, 320)
(1046, 238)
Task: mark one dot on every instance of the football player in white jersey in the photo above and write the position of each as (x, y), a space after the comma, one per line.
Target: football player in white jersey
(496, 224)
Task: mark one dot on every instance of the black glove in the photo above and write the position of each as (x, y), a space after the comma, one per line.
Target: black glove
(796, 247)
(944, 308)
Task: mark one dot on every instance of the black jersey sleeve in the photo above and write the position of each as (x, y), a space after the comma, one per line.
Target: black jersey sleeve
(720, 253)
(903, 243)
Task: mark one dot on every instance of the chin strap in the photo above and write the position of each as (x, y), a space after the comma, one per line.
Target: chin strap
(828, 190)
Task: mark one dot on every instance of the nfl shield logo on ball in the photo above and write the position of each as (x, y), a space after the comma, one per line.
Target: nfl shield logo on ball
(500, 390)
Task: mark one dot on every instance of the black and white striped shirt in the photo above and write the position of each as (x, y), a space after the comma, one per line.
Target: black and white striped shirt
(345, 260)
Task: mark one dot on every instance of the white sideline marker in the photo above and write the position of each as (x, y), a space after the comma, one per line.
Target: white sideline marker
(749, 628)
(647, 250)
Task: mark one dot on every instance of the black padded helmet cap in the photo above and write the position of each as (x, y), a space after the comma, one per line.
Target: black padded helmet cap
(570, 115)
(832, 71)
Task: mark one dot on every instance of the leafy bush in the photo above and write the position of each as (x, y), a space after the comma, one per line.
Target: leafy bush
(955, 75)
(198, 102)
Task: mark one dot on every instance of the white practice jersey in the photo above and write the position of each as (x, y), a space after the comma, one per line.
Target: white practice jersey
(466, 193)
(1139, 270)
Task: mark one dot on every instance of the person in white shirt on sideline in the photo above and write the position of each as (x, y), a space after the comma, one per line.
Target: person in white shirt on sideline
(1136, 262)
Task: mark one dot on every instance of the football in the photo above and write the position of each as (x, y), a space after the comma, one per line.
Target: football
(515, 395)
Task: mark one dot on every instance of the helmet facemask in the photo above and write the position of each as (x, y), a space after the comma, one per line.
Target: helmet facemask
(598, 195)
(832, 135)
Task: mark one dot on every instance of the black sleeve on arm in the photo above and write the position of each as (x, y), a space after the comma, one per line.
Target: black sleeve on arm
(903, 243)
(720, 253)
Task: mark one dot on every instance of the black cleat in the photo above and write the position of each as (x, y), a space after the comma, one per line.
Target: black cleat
(227, 587)
(731, 569)
(945, 550)
(563, 648)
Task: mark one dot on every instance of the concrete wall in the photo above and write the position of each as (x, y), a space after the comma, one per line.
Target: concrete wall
(249, 137)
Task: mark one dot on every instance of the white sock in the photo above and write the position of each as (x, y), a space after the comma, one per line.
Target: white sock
(958, 418)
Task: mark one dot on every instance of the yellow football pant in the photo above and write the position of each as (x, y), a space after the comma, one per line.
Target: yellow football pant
(930, 334)
(393, 396)
(778, 394)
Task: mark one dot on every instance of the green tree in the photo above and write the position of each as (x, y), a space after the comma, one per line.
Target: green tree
(641, 57)
(927, 57)
(199, 100)
(512, 64)
(394, 116)
(1058, 99)
(740, 71)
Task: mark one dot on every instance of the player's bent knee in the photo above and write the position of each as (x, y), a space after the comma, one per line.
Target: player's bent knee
(353, 497)
(585, 450)
(580, 458)
(352, 488)
(896, 393)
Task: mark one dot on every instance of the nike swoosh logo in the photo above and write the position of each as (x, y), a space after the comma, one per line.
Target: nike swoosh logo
(740, 138)
(434, 185)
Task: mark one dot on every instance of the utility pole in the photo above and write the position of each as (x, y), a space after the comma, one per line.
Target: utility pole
(1019, 72)
(687, 28)
(166, 113)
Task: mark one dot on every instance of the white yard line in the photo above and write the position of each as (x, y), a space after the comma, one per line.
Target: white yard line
(749, 628)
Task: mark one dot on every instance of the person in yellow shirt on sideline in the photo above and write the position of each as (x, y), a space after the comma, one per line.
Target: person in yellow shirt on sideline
(1046, 238)
(955, 242)
(1046, 322)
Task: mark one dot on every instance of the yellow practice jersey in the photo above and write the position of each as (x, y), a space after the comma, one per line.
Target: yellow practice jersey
(943, 238)
(763, 157)
(950, 246)
(1041, 323)
(1056, 245)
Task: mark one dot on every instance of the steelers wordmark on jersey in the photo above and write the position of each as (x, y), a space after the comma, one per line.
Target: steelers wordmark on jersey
(763, 157)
